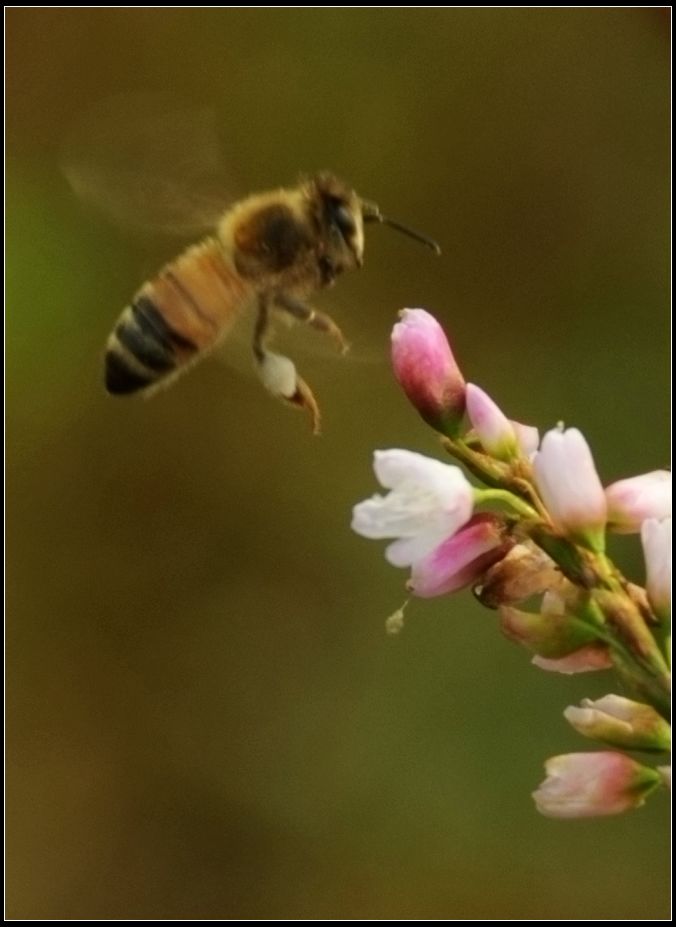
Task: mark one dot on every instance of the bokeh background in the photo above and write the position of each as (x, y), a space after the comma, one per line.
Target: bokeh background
(205, 718)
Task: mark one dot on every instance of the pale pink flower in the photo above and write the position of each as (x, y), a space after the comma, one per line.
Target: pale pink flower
(632, 501)
(584, 785)
(426, 369)
(460, 559)
(620, 722)
(587, 659)
(656, 539)
(491, 425)
(427, 502)
(570, 487)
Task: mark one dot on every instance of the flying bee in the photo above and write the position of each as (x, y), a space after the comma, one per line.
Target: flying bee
(267, 254)
(271, 250)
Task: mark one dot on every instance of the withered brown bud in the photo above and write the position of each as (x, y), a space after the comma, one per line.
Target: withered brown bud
(524, 572)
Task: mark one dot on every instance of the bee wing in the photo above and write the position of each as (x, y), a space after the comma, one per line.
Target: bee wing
(149, 162)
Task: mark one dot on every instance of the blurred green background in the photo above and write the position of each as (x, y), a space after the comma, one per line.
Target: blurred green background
(205, 717)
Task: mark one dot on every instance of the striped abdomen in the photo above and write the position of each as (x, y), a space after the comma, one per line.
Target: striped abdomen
(174, 318)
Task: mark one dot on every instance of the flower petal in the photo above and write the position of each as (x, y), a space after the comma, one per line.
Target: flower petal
(491, 425)
(460, 559)
(582, 785)
(428, 501)
(632, 501)
(570, 486)
(426, 369)
(585, 660)
(656, 539)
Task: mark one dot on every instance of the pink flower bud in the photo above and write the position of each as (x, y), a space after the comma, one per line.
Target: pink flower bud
(585, 660)
(492, 427)
(570, 486)
(656, 539)
(586, 785)
(632, 501)
(427, 502)
(426, 370)
(621, 722)
(460, 559)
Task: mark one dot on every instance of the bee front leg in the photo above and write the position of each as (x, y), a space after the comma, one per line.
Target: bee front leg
(278, 373)
(319, 320)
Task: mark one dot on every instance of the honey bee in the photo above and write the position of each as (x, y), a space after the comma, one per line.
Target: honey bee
(149, 161)
(269, 251)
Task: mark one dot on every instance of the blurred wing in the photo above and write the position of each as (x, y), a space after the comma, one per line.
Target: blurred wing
(149, 162)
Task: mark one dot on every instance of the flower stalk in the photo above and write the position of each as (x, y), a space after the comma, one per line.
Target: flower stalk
(536, 553)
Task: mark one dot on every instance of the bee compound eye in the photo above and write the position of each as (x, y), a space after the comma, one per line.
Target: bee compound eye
(344, 220)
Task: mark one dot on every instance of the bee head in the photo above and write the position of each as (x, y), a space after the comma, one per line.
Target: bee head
(339, 216)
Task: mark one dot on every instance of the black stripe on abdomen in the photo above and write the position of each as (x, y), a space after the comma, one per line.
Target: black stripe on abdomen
(121, 378)
(144, 348)
(153, 324)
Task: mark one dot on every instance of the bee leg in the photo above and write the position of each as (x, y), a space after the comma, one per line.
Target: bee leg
(318, 320)
(261, 329)
(278, 373)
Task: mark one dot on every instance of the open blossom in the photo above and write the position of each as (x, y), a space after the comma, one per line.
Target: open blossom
(427, 502)
(632, 501)
(426, 369)
(583, 785)
(570, 486)
(490, 424)
(620, 722)
(460, 559)
(656, 538)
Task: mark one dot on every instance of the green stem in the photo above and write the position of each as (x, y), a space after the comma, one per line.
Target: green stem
(489, 471)
(506, 497)
(640, 678)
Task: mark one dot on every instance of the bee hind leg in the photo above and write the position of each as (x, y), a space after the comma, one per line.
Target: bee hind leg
(318, 320)
(278, 373)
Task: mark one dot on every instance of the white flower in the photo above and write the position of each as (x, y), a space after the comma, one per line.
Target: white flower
(428, 501)
(570, 486)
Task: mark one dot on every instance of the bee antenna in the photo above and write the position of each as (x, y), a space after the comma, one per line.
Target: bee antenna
(371, 213)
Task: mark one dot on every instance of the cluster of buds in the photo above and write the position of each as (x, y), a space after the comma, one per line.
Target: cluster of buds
(531, 543)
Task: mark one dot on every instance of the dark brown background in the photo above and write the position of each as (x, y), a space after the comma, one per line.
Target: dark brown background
(205, 717)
